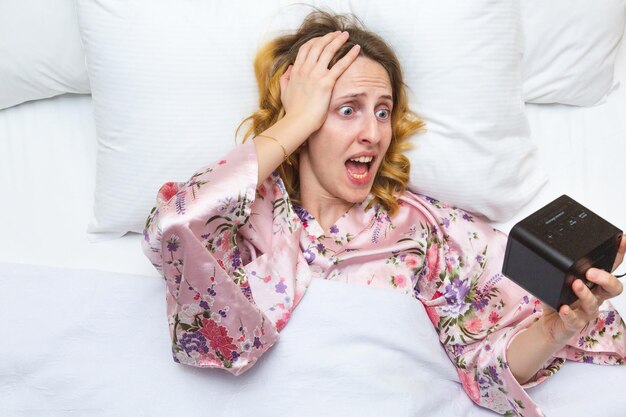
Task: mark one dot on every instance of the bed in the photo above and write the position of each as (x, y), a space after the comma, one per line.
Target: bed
(84, 328)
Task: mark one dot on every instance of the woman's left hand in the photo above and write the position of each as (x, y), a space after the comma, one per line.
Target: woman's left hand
(560, 326)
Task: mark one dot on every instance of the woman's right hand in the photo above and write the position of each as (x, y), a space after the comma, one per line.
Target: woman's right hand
(306, 88)
(307, 85)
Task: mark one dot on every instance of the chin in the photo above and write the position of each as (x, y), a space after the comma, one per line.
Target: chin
(357, 197)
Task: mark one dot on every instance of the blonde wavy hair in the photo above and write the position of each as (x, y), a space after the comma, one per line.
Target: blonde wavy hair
(272, 61)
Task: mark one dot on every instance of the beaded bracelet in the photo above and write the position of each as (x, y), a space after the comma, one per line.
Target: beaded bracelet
(279, 144)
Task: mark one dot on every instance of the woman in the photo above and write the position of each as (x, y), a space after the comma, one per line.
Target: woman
(320, 192)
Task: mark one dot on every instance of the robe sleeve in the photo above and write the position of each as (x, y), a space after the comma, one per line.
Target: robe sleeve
(192, 238)
(477, 312)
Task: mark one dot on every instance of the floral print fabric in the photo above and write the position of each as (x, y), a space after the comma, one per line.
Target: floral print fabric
(238, 258)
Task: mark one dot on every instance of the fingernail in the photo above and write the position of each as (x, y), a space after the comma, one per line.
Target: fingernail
(579, 285)
(592, 273)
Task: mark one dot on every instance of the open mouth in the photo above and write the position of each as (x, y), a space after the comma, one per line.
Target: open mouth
(359, 167)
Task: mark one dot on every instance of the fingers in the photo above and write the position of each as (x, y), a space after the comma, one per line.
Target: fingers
(331, 49)
(587, 301)
(303, 52)
(309, 53)
(608, 286)
(572, 319)
(587, 307)
(307, 85)
(323, 49)
(343, 64)
(317, 53)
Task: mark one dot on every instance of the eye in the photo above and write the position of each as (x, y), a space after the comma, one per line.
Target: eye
(383, 114)
(346, 111)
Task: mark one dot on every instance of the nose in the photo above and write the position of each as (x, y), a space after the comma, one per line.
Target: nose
(370, 130)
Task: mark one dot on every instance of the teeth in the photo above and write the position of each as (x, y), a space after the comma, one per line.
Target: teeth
(358, 176)
(363, 159)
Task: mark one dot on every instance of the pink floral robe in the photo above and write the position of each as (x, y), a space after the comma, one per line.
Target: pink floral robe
(238, 258)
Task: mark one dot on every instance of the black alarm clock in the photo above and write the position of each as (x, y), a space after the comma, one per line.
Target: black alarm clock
(558, 243)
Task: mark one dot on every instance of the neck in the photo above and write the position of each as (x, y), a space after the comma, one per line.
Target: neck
(315, 199)
(325, 210)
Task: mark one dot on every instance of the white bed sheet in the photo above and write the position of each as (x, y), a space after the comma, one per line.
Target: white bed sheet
(583, 150)
(94, 344)
(47, 176)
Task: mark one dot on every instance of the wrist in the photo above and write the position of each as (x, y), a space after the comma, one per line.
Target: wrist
(304, 125)
(550, 336)
(529, 350)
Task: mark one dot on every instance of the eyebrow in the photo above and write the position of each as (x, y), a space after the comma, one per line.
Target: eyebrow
(385, 96)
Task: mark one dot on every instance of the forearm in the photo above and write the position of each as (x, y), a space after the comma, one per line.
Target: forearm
(290, 133)
(529, 350)
(210, 314)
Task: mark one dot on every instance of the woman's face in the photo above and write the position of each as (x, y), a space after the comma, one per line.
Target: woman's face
(340, 160)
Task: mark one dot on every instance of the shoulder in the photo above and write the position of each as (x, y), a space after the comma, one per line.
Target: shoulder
(427, 202)
(448, 218)
(430, 208)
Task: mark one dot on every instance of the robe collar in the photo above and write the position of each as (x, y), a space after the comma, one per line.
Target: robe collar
(352, 223)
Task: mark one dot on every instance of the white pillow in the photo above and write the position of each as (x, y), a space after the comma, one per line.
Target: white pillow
(40, 51)
(620, 61)
(171, 81)
(570, 49)
(462, 62)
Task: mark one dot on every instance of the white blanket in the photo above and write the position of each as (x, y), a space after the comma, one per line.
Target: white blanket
(86, 343)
